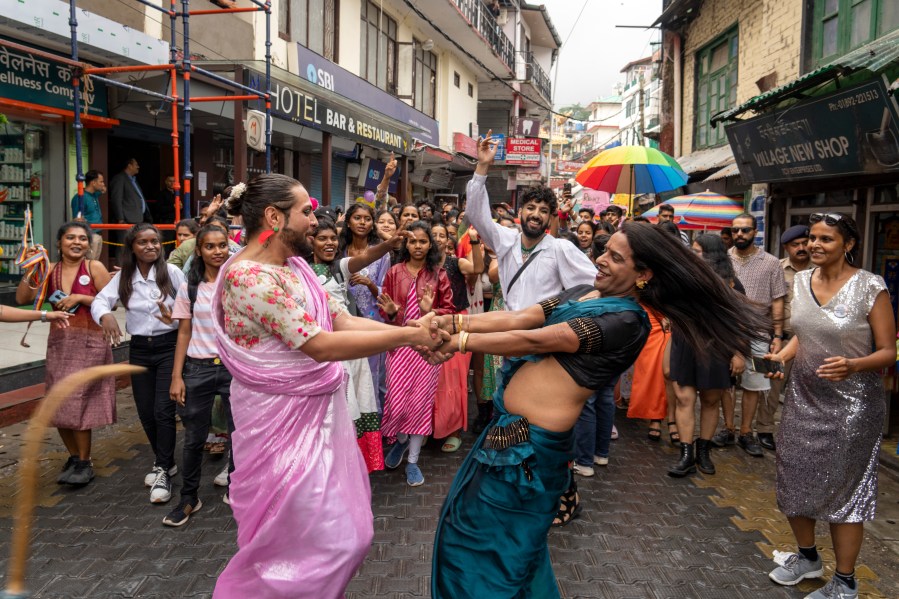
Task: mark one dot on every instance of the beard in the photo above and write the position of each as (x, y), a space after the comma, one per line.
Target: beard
(296, 243)
(532, 231)
(742, 244)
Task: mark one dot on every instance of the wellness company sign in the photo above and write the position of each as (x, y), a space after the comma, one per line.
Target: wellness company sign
(26, 78)
(324, 73)
(850, 132)
(314, 110)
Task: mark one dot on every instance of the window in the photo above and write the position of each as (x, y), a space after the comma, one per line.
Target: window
(716, 87)
(457, 81)
(284, 20)
(313, 23)
(470, 90)
(629, 108)
(844, 25)
(378, 48)
(425, 92)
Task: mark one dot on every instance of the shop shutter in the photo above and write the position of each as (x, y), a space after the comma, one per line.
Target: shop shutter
(338, 181)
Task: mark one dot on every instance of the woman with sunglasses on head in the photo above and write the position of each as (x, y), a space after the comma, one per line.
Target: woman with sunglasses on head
(830, 430)
(147, 286)
(74, 281)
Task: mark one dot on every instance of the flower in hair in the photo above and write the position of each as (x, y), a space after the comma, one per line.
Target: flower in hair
(236, 192)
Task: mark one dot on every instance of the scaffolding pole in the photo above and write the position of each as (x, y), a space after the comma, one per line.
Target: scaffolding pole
(184, 66)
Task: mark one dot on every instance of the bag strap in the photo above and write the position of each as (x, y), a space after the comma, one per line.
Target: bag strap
(521, 270)
(192, 290)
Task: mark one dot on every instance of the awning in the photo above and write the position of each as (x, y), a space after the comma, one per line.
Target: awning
(874, 57)
(703, 161)
(731, 170)
(678, 14)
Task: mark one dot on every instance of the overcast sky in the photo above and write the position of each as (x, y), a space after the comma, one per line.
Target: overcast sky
(590, 62)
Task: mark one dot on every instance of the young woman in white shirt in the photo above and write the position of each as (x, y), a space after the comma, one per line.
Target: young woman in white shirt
(147, 286)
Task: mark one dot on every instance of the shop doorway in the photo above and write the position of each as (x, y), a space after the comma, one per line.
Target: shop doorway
(149, 156)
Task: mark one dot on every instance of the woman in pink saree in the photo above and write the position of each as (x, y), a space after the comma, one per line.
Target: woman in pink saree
(300, 491)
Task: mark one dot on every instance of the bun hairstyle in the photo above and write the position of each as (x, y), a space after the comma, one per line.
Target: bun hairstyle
(250, 200)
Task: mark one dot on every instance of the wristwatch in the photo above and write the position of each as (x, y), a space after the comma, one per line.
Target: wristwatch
(780, 336)
(474, 241)
(43, 316)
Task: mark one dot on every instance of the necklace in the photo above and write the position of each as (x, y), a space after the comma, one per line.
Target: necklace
(526, 252)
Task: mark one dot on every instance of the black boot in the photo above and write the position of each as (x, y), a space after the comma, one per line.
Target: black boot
(485, 414)
(687, 463)
(704, 456)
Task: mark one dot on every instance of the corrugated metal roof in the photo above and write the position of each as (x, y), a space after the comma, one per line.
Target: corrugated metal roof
(731, 170)
(874, 57)
(706, 160)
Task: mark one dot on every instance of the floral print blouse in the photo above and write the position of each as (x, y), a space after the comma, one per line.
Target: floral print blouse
(264, 300)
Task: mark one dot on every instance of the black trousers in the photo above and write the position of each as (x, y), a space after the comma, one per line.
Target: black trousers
(151, 392)
(202, 382)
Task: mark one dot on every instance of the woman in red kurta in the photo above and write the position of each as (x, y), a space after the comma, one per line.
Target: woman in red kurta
(413, 287)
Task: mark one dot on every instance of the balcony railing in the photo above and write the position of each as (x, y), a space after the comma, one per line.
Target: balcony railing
(480, 19)
(534, 73)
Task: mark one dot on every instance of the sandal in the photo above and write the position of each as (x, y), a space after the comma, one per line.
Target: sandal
(570, 507)
(451, 445)
(654, 434)
(217, 448)
(673, 437)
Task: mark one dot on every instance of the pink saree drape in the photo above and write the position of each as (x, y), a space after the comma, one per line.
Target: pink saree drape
(300, 491)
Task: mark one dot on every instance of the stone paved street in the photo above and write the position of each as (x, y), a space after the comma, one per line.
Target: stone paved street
(641, 535)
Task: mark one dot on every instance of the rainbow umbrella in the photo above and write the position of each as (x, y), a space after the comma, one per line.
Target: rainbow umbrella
(706, 209)
(632, 170)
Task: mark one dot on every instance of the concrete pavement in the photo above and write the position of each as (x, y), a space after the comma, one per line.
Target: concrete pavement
(641, 534)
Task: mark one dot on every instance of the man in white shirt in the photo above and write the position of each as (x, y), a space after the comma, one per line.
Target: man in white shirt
(557, 263)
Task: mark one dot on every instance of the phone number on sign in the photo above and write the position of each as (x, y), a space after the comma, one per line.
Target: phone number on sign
(859, 98)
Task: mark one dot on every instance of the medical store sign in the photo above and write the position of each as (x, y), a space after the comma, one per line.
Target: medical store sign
(851, 132)
(311, 110)
(27, 78)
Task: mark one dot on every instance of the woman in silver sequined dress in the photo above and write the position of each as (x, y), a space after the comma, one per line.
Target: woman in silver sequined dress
(829, 438)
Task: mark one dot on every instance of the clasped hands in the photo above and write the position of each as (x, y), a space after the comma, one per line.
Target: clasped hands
(440, 343)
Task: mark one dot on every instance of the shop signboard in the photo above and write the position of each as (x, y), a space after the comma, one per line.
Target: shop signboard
(523, 151)
(311, 109)
(28, 78)
(527, 127)
(528, 175)
(500, 146)
(372, 172)
(463, 144)
(566, 166)
(331, 76)
(851, 132)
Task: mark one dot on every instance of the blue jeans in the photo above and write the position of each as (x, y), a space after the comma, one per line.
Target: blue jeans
(593, 429)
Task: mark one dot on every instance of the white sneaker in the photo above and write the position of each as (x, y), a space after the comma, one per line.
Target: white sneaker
(150, 478)
(600, 461)
(226, 499)
(221, 479)
(161, 491)
(585, 471)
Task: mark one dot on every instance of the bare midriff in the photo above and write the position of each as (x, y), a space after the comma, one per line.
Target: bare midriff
(545, 394)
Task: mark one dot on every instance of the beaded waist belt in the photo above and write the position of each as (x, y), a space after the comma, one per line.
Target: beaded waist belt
(503, 437)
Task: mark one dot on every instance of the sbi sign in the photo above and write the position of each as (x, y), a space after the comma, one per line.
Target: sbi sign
(320, 77)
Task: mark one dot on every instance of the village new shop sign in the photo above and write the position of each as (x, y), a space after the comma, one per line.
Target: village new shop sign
(850, 132)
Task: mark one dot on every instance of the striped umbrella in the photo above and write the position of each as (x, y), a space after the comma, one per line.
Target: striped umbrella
(632, 170)
(703, 210)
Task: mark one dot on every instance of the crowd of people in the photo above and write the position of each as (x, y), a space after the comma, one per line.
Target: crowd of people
(335, 345)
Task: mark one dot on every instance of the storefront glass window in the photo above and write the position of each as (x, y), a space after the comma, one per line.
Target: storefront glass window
(22, 166)
(819, 200)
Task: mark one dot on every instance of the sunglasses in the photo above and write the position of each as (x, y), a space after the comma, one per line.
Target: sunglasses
(830, 218)
(744, 230)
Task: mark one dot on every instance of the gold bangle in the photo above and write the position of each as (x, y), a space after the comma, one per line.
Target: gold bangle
(463, 341)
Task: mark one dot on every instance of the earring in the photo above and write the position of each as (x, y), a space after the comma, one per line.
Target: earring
(849, 258)
(264, 237)
(641, 285)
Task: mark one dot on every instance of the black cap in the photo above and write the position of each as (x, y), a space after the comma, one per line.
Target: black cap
(793, 233)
